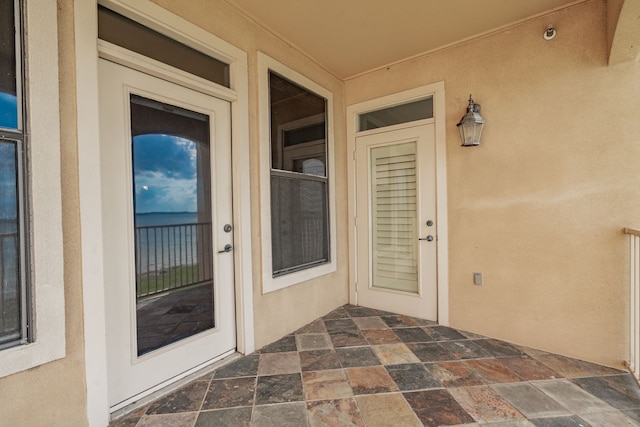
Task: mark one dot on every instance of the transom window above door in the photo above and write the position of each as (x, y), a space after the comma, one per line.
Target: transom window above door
(124, 32)
(406, 112)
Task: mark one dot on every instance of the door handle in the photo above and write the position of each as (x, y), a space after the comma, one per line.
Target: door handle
(429, 238)
(227, 248)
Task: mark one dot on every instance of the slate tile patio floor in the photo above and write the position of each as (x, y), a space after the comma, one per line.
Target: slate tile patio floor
(363, 367)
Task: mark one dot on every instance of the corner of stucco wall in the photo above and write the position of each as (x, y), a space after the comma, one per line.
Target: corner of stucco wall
(613, 8)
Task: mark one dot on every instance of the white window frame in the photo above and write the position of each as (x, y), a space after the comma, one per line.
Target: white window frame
(40, 35)
(270, 283)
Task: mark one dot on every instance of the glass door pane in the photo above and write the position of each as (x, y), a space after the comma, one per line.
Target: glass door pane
(394, 218)
(11, 316)
(173, 234)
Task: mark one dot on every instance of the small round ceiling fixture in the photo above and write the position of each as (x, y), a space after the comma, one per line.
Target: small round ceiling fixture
(550, 33)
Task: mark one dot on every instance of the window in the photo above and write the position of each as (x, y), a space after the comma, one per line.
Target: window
(32, 318)
(299, 215)
(133, 36)
(13, 289)
(298, 220)
(397, 114)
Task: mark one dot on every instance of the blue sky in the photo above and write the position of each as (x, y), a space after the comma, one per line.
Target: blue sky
(165, 174)
(164, 170)
(8, 111)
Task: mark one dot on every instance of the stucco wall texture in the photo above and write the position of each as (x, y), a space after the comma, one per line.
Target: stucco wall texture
(280, 312)
(54, 394)
(539, 206)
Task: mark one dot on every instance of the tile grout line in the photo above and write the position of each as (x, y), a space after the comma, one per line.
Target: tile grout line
(204, 397)
(466, 362)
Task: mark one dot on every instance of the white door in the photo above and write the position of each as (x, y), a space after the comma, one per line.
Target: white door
(167, 212)
(396, 221)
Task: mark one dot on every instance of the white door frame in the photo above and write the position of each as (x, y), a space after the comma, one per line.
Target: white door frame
(442, 227)
(86, 68)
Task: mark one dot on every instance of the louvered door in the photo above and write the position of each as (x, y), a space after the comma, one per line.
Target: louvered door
(395, 215)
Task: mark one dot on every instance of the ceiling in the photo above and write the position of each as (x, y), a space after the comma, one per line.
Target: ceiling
(350, 37)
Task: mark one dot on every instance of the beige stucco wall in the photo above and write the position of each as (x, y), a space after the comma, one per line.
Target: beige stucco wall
(58, 388)
(280, 312)
(539, 206)
(54, 394)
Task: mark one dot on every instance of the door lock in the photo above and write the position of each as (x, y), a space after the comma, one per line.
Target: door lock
(227, 248)
(227, 228)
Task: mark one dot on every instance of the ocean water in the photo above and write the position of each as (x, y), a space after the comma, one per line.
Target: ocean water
(169, 243)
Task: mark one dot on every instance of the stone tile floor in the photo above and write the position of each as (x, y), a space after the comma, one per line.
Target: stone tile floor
(362, 367)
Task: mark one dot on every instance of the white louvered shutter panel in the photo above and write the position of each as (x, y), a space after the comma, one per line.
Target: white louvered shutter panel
(394, 217)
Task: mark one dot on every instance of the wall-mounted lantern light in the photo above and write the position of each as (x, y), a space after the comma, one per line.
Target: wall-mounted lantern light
(471, 125)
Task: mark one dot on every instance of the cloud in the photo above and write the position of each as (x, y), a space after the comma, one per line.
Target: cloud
(165, 174)
(164, 193)
(173, 156)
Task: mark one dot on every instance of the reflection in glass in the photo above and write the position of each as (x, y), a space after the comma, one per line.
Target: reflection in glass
(299, 208)
(13, 317)
(397, 114)
(8, 80)
(122, 31)
(173, 235)
(394, 218)
(10, 298)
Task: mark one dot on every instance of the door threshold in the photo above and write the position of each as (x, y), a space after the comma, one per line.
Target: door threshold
(127, 406)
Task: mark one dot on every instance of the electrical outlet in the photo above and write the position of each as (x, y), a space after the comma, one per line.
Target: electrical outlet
(477, 279)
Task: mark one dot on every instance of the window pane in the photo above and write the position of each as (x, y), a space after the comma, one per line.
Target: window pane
(404, 113)
(10, 289)
(8, 85)
(299, 223)
(124, 32)
(173, 235)
(298, 127)
(299, 208)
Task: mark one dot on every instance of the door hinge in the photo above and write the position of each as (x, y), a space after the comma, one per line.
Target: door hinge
(354, 154)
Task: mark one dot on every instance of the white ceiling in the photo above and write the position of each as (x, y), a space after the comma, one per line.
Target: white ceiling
(350, 37)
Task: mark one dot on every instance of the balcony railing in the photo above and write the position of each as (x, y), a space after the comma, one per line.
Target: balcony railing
(634, 298)
(170, 257)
